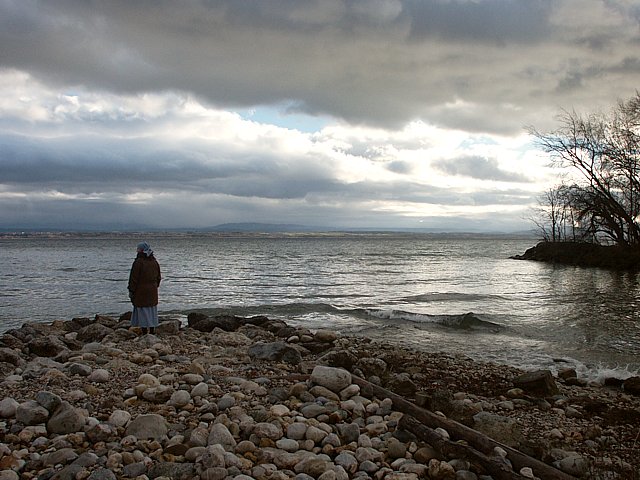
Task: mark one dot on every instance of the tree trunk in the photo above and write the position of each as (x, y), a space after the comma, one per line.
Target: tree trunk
(485, 464)
(477, 440)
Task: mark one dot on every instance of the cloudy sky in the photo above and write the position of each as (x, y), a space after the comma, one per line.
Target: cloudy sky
(346, 113)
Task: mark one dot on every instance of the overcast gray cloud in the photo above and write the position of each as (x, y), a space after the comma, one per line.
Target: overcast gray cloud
(148, 106)
(488, 21)
(75, 165)
(478, 167)
(383, 62)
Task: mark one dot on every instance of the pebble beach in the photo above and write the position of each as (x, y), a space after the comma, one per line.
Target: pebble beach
(253, 398)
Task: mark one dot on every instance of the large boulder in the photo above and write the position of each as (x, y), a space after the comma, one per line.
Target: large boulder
(334, 379)
(158, 394)
(77, 323)
(8, 355)
(10, 341)
(101, 432)
(402, 384)
(168, 327)
(8, 407)
(194, 317)
(371, 366)
(47, 346)
(25, 334)
(93, 333)
(539, 383)
(502, 429)
(174, 470)
(275, 351)
(462, 411)
(38, 365)
(149, 426)
(66, 419)
(575, 465)
(258, 320)
(48, 400)
(285, 332)
(31, 413)
(106, 321)
(6, 369)
(340, 358)
(220, 435)
(632, 385)
(203, 323)
(325, 336)
(271, 325)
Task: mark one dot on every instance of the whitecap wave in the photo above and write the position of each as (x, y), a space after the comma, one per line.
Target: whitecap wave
(600, 372)
(466, 321)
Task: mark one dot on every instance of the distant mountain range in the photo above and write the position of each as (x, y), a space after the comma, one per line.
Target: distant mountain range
(263, 228)
(294, 228)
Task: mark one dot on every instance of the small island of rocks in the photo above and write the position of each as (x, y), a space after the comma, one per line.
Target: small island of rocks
(584, 254)
(228, 397)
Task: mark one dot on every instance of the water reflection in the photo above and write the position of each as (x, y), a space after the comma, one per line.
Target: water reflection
(587, 314)
(594, 311)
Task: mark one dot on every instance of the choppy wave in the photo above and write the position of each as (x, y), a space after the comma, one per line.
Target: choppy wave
(277, 310)
(599, 373)
(450, 297)
(466, 321)
(492, 342)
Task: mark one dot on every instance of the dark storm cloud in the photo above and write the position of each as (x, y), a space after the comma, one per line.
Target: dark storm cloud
(73, 214)
(90, 164)
(488, 21)
(382, 62)
(478, 167)
(628, 65)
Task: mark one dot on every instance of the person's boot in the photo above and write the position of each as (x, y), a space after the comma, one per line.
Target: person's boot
(152, 330)
(144, 330)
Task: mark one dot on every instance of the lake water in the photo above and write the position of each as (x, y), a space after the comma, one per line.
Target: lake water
(459, 294)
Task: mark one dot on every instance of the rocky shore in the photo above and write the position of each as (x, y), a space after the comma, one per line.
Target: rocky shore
(253, 398)
(584, 254)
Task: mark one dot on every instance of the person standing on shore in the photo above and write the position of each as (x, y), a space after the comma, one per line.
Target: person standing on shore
(144, 280)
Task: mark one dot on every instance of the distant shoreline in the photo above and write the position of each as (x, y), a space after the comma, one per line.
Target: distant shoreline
(232, 233)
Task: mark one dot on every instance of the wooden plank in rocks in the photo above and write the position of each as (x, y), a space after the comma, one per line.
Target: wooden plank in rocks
(498, 470)
(478, 440)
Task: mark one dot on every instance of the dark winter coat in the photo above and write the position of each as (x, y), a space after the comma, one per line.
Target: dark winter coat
(144, 281)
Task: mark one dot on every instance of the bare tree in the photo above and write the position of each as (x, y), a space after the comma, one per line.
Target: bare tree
(557, 217)
(550, 215)
(603, 151)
